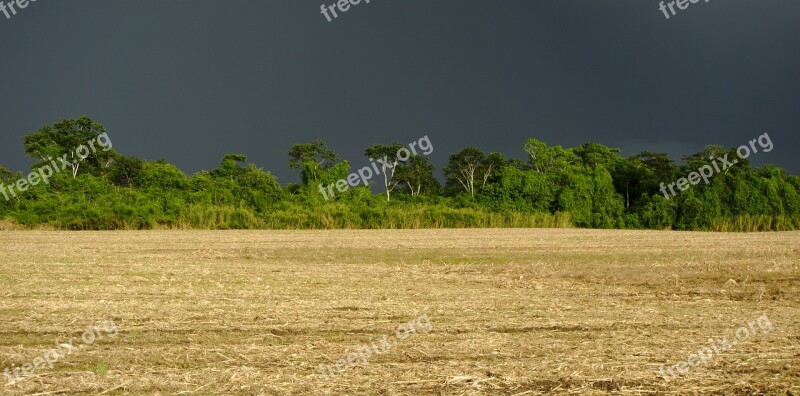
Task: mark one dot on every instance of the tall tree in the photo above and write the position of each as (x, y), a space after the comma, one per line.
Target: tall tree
(655, 168)
(596, 154)
(472, 169)
(62, 140)
(387, 157)
(463, 168)
(706, 157)
(544, 158)
(312, 159)
(489, 166)
(417, 175)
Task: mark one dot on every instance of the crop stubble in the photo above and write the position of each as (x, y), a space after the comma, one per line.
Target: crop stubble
(514, 312)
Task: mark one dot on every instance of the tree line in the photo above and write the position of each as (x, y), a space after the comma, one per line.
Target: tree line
(589, 186)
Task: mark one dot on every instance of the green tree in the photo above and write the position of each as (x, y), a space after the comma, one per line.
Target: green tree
(594, 154)
(576, 198)
(312, 159)
(658, 212)
(162, 176)
(416, 175)
(489, 167)
(651, 169)
(126, 171)
(659, 168)
(607, 205)
(544, 158)
(237, 183)
(520, 190)
(60, 142)
(472, 170)
(386, 155)
(694, 161)
(231, 167)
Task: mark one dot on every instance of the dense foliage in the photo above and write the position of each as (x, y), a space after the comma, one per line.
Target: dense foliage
(587, 186)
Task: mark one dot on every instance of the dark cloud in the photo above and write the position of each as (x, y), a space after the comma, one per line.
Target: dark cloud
(189, 81)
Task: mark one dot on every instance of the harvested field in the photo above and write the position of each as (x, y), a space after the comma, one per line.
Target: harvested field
(513, 312)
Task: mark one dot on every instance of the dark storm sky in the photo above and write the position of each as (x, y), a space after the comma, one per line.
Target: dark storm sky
(189, 81)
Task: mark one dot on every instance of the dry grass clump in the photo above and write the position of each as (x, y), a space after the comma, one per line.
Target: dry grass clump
(10, 225)
(514, 312)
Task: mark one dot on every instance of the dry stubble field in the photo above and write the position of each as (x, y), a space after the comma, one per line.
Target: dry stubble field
(513, 312)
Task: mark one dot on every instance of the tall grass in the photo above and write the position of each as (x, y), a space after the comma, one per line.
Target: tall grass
(343, 217)
(756, 223)
(295, 216)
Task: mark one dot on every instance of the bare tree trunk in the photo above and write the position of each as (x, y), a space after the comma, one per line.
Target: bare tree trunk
(386, 183)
